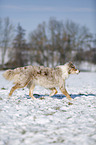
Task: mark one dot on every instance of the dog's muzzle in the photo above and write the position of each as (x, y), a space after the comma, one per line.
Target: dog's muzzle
(77, 71)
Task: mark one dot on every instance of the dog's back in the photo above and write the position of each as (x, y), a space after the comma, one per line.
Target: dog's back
(40, 75)
(47, 77)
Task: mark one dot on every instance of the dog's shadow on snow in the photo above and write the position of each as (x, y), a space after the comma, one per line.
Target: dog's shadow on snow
(59, 96)
(80, 95)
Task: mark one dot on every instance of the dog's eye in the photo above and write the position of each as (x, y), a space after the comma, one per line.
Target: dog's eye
(72, 66)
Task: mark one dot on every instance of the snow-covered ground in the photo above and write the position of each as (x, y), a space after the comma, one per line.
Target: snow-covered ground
(49, 121)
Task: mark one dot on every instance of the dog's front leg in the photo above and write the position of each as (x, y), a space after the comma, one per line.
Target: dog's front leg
(31, 91)
(64, 91)
(54, 91)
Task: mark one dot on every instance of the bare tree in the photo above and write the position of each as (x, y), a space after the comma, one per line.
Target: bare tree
(55, 28)
(38, 39)
(61, 42)
(1, 32)
(77, 39)
(5, 36)
(79, 34)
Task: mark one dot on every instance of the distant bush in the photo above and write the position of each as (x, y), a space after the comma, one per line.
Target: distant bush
(94, 58)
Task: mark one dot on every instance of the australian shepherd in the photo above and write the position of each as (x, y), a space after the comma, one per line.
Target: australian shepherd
(39, 75)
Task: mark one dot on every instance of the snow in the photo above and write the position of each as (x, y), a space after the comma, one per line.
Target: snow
(52, 120)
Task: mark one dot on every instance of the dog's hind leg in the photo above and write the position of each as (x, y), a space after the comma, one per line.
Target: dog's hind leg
(17, 86)
(54, 91)
(31, 91)
(13, 89)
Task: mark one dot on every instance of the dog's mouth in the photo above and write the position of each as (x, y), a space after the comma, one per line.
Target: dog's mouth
(74, 71)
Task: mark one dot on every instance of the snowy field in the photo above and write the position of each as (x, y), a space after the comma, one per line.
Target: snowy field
(52, 120)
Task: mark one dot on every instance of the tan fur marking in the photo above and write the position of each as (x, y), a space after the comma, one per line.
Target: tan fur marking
(54, 91)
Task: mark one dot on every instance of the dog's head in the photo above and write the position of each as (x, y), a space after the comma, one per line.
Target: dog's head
(72, 69)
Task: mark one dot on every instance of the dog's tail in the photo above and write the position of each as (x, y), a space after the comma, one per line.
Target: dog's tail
(9, 74)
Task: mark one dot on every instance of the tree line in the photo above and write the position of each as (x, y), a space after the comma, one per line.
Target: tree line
(50, 44)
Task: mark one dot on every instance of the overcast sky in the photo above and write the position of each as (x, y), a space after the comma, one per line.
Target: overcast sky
(30, 13)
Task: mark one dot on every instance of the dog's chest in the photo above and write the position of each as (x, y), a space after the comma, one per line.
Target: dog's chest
(65, 74)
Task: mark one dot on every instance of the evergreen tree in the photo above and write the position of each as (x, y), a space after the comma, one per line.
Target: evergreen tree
(19, 45)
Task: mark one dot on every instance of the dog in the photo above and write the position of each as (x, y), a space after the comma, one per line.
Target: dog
(49, 78)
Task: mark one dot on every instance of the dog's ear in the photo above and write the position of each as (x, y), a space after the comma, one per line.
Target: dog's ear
(70, 63)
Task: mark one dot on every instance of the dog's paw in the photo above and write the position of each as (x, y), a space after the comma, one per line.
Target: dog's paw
(33, 98)
(69, 98)
(8, 97)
